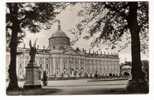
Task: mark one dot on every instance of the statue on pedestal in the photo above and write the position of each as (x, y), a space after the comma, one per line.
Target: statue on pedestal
(32, 70)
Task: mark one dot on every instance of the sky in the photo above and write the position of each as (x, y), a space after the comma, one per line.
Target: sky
(69, 19)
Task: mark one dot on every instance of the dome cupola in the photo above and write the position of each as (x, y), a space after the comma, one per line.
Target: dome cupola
(59, 39)
(59, 32)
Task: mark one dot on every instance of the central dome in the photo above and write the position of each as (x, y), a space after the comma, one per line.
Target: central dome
(59, 40)
(59, 33)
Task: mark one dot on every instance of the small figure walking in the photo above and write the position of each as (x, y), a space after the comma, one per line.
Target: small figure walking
(44, 78)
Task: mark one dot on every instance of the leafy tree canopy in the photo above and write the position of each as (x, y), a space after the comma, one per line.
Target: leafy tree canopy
(31, 16)
(110, 21)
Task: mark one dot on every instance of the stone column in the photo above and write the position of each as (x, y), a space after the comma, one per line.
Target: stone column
(54, 68)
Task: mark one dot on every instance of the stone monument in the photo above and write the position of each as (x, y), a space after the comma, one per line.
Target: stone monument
(33, 79)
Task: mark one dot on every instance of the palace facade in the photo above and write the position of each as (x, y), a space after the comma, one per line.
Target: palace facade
(61, 60)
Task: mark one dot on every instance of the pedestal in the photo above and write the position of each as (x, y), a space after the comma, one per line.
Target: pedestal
(33, 79)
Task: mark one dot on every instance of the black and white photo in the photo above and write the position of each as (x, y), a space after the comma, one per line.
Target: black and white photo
(77, 48)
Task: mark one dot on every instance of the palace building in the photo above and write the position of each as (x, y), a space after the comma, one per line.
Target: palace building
(61, 60)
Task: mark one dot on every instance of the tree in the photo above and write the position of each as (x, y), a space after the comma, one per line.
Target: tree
(21, 17)
(113, 20)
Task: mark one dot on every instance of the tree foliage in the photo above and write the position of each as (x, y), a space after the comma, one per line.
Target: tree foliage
(31, 16)
(110, 21)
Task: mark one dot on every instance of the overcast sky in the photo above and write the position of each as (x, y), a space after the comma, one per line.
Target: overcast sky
(68, 20)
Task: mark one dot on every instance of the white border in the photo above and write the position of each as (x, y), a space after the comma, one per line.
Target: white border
(85, 97)
(2, 48)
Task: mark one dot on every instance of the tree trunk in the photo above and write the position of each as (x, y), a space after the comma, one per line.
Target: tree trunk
(13, 82)
(137, 83)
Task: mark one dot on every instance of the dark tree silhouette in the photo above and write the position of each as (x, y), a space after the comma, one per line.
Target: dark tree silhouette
(113, 20)
(21, 16)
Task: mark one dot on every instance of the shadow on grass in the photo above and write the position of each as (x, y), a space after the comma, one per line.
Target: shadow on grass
(32, 92)
(56, 91)
(99, 92)
(104, 92)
